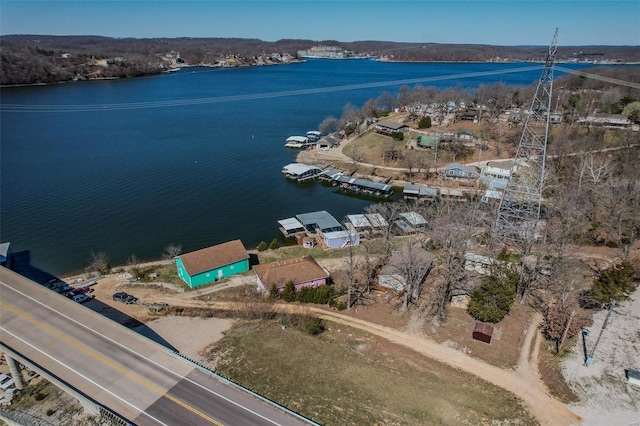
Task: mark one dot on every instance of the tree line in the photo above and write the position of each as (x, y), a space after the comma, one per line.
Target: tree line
(38, 59)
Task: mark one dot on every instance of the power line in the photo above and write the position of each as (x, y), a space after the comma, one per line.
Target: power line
(253, 96)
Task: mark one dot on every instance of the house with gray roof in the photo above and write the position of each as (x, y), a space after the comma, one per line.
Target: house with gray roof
(459, 172)
(386, 127)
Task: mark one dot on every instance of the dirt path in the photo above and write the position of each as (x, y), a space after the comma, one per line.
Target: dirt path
(524, 382)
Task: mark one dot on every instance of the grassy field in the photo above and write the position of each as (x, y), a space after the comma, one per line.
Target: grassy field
(344, 377)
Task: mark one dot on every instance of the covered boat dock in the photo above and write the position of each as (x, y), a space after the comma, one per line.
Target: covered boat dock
(300, 172)
(363, 185)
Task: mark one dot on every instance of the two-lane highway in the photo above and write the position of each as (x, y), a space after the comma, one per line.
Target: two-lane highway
(132, 375)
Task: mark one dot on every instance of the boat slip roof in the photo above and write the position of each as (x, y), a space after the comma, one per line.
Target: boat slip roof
(298, 168)
(339, 234)
(376, 220)
(359, 220)
(414, 218)
(364, 183)
(301, 139)
(290, 224)
(321, 219)
(420, 190)
(332, 173)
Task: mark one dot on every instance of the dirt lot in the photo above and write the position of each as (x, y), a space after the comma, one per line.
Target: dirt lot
(515, 350)
(605, 396)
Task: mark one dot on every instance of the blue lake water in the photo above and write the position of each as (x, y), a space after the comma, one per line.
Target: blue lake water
(193, 158)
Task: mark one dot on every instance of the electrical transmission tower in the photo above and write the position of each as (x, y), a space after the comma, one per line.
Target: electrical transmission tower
(519, 209)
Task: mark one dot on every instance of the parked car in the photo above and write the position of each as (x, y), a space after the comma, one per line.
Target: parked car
(5, 382)
(125, 298)
(81, 298)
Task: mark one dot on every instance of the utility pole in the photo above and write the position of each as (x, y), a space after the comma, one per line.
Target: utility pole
(566, 330)
(606, 322)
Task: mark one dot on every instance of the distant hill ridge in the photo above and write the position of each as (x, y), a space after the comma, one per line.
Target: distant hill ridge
(43, 59)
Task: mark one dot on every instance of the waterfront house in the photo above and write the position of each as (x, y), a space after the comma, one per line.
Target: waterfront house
(300, 172)
(329, 141)
(456, 171)
(387, 127)
(212, 264)
(302, 272)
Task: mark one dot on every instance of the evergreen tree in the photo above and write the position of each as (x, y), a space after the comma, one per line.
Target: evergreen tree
(615, 283)
(492, 299)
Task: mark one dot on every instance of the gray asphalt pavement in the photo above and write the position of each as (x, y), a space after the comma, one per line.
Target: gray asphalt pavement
(132, 375)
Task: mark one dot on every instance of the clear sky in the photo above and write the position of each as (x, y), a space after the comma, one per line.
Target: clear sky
(506, 22)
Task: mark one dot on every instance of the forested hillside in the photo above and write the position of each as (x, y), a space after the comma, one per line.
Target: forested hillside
(31, 59)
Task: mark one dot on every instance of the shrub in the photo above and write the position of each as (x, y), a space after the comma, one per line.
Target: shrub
(313, 326)
(262, 246)
(274, 244)
(399, 136)
(341, 305)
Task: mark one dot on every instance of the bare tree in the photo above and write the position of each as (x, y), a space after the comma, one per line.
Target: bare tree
(171, 251)
(412, 263)
(356, 154)
(620, 216)
(593, 168)
(328, 125)
(99, 263)
(390, 213)
(352, 267)
(454, 226)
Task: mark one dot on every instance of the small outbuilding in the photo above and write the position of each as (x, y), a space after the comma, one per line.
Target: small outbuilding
(339, 239)
(211, 264)
(302, 272)
(482, 332)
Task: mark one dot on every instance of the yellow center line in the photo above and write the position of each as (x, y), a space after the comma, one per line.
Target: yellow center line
(109, 363)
